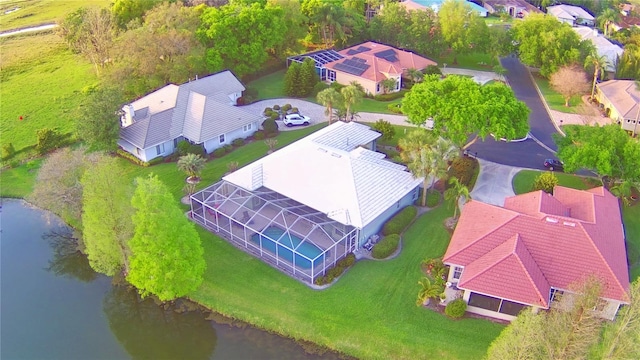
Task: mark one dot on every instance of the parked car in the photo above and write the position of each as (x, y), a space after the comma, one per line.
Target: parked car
(553, 164)
(296, 119)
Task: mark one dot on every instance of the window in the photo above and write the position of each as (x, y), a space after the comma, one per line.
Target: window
(484, 302)
(555, 294)
(377, 88)
(247, 127)
(457, 272)
(416, 194)
(331, 75)
(160, 149)
(221, 138)
(398, 84)
(511, 308)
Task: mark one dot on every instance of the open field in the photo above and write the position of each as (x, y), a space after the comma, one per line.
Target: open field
(523, 181)
(42, 81)
(36, 12)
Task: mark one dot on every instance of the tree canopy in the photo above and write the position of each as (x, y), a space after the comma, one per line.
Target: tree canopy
(460, 107)
(98, 121)
(166, 252)
(607, 150)
(569, 81)
(241, 37)
(548, 44)
(462, 28)
(106, 216)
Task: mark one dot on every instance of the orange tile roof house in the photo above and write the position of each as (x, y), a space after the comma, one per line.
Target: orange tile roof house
(521, 255)
(368, 64)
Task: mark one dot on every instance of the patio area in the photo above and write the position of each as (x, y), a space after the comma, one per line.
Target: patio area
(292, 237)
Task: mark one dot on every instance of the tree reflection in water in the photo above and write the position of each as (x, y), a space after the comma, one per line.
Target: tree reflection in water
(67, 260)
(148, 331)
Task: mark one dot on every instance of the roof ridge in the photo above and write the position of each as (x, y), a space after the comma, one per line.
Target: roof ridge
(487, 268)
(526, 271)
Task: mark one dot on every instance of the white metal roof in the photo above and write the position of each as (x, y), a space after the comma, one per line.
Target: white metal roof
(603, 46)
(351, 187)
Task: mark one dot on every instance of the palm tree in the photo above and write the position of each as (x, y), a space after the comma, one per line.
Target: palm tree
(608, 17)
(415, 151)
(192, 165)
(599, 63)
(388, 84)
(455, 192)
(442, 151)
(329, 98)
(351, 95)
(622, 190)
(429, 290)
(415, 75)
(500, 71)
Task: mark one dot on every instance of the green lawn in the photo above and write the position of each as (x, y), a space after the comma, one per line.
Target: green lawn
(42, 82)
(474, 61)
(35, 12)
(554, 99)
(523, 181)
(400, 132)
(375, 106)
(269, 86)
(18, 182)
(369, 313)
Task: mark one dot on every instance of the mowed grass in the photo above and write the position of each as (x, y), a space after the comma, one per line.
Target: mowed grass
(42, 82)
(523, 182)
(36, 12)
(473, 61)
(554, 99)
(369, 313)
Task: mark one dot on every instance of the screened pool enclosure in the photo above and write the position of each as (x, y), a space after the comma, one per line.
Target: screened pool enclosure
(290, 236)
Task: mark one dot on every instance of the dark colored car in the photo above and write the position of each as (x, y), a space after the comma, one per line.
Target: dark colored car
(553, 164)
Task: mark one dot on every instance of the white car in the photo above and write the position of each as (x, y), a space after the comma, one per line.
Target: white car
(296, 119)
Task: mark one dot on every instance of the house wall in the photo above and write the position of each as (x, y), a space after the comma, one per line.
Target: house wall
(375, 226)
(344, 79)
(149, 153)
(234, 97)
(613, 112)
(212, 144)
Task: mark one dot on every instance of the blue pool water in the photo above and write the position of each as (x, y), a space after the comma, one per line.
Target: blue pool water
(276, 237)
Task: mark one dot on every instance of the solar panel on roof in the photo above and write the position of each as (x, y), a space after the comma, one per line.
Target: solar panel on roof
(352, 52)
(363, 49)
(391, 58)
(359, 59)
(385, 53)
(350, 69)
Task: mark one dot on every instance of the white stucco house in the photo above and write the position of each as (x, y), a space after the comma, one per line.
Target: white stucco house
(201, 111)
(603, 46)
(309, 204)
(572, 15)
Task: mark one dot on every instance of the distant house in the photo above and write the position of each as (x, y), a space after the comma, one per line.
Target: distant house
(308, 205)
(621, 101)
(603, 46)
(201, 111)
(515, 8)
(572, 15)
(435, 6)
(522, 255)
(626, 9)
(368, 64)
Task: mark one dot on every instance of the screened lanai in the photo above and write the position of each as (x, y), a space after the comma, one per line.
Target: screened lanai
(290, 236)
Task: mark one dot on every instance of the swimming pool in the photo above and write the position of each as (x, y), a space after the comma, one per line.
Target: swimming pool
(276, 237)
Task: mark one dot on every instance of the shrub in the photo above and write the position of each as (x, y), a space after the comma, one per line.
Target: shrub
(546, 181)
(390, 96)
(395, 108)
(156, 161)
(228, 148)
(456, 308)
(340, 267)
(385, 128)
(295, 110)
(276, 107)
(183, 147)
(237, 142)
(336, 86)
(274, 116)
(387, 246)
(267, 111)
(270, 126)
(463, 168)
(258, 135)
(8, 151)
(285, 108)
(433, 198)
(432, 70)
(127, 155)
(219, 152)
(400, 221)
(47, 140)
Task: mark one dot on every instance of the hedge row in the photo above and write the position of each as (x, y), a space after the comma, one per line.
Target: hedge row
(400, 221)
(390, 96)
(340, 267)
(386, 246)
(135, 160)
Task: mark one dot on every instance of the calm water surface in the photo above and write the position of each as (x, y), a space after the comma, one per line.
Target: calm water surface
(53, 306)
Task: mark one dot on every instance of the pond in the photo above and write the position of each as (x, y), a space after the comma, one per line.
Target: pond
(54, 306)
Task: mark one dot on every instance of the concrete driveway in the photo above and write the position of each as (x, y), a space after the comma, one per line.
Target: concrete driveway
(494, 183)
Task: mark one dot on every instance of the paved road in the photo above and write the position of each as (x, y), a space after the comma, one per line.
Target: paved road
(541, 124)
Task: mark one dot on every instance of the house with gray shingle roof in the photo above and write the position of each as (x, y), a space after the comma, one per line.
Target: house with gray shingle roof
(572, 15)
(202, 112)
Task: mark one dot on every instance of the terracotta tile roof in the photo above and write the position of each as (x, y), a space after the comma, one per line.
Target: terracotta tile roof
(489, 273)
(623, 95)
(564, 248)
(379, 67)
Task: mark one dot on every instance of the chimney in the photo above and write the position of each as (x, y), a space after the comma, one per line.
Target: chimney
(127, 117)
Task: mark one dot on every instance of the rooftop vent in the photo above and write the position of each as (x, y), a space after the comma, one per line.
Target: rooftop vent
(566, 223)
(551, 220)
(336, 155)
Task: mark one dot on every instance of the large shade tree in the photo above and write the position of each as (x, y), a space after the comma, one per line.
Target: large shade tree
(98, 122)
(106, 216)
(569, 81)
(166, 252)
(608, 150)
(460, 107)
(462, 28)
